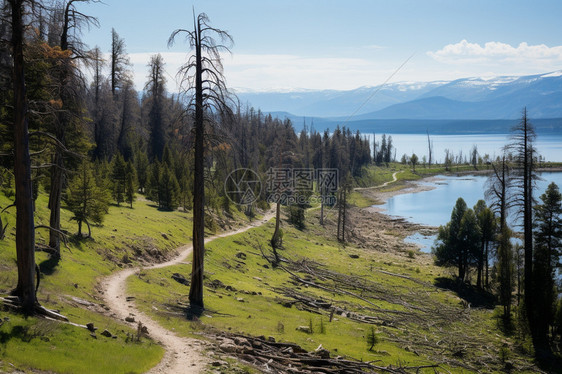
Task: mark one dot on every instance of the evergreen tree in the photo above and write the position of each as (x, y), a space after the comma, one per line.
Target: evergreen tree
(548, 238)
(414, 160)
(458, 239)
(153, 182)
(130, 183)
(118, 178)
(156, 90)
(168, 191)
(87, 201)
(142, 168)
(486, 222)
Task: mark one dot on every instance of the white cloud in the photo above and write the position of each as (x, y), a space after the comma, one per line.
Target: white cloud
(498, 52)
(264, 72)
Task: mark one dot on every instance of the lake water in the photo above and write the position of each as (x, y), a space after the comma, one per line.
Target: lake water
(549, 146)
(433, 208)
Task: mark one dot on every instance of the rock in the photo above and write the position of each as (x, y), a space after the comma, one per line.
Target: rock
(305, 329)
(258, 279)
(93, 335)
(271, 339)
(90, 326)
(107, 333)
(230, 288)
(240, 299)
(219, 363)
(130, 319)
(241, 255)
(130, 298)
(180, 279)
(354, 256)
(164, 236)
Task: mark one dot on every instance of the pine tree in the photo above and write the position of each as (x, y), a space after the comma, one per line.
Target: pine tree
(548, 237)
(153, 182)
(169, 188)
(87, 201)
(130, 183)
(486, 222)
(118, 178)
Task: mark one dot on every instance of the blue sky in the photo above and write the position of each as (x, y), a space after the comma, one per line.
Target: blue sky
(315, 44)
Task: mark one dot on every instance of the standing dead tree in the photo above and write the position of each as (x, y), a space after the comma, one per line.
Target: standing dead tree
(203, 83)
(498, 192)
(67, 120)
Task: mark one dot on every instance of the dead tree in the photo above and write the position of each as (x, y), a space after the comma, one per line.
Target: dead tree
(68, 80)
(204, 84)
(498, 192)
(342, 213)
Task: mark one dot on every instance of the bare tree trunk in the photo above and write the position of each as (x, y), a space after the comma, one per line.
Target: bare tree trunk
(480, 266)
(196, 290)
(275, 237)
(344, 217)
(55, 202)
(25, 227)
(338, 234)
(322, 211)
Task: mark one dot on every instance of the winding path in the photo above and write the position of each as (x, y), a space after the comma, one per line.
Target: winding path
(183, 355)
(394, 179)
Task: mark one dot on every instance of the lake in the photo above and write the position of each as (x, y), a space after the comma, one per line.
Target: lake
(549, 146)
(433, 208)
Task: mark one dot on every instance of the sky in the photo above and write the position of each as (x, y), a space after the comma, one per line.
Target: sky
(323, 44)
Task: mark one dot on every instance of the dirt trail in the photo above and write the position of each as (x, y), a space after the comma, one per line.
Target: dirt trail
(183, 355)
(394, 179)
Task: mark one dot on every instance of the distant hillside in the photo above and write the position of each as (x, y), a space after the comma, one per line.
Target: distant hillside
(462, 99)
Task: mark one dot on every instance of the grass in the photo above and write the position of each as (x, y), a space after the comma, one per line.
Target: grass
(127, 235)
(252, 308)
(252, 303)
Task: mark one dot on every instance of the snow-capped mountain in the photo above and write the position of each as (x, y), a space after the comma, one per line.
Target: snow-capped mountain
(470, 98)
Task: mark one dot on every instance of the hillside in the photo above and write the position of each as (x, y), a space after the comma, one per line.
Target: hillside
(323, 295)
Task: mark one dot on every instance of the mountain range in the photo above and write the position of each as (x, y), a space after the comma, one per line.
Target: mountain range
(497, 101)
